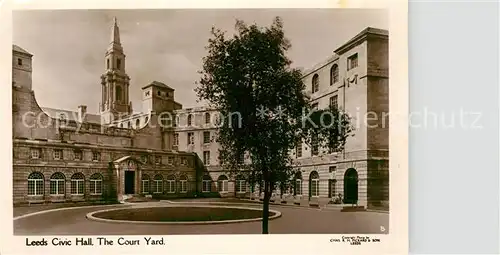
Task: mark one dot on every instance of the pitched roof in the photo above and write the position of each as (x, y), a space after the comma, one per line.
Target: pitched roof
(19, 49)
(71, 115)
(158, 84)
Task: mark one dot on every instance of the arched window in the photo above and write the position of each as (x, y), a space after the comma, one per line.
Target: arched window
(314, 184)
(207, 181)
(145, 184)
(241, 184)
(137, 123)
(118, 93)
(129, 124)
(96, 184)
(315, 83)
(121, 125)
(223, 183)
(183, 180)
(190, 120)
(207, 118)
(171, 184)
(77, 184)
(35, 184)
(334, 74)
(146, 119)
(57, 184)
(158, 184)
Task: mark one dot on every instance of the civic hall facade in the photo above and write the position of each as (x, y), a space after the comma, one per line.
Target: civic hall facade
(72, 155)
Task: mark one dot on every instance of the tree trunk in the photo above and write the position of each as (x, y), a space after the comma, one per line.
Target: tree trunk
(265, 211)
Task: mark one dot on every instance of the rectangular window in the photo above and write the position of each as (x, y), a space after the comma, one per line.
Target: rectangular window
(19, 62)
(57, 187)
(207, 118)
(176, 139)
(183, 161)
(206, 158)
(352, 61)
(314, 145)
(298, 150)
(145, 186)
(58, 154)
(170, 160)
(206, 186)
(183, 186)
(78, 154)
(298, 187)
(36, 153)
(223, 186)
(241, 158)
(315, 188)
(158, 184)
(241, 186)
(95, 187)
(119, 64)
(35, 187)
(96, 156)
(77, 187)
(332, 170)
(206, 137)
(144, 159)
(158, 160)
(171, 186)
(333, 101)
(190, 138)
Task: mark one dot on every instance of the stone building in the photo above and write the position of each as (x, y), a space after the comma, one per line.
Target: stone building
(167, 151)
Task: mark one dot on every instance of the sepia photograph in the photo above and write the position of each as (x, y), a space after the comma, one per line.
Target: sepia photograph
(200, 121)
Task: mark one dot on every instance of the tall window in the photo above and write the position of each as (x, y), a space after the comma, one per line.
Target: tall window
(57, 184)
(352, 61)
(333, 101)
(77, 184)
(176, 139)
(78, 154)
(96, 156)
(36, 153)
(223, 183)
(190, 120)
(19, 62)
(119, 64)
(298, 150)
(58, 155)
(314, 184)
(334, 74)
(170, 160)
(35, 184)
(241, 158)
(207, 118)
(190, 138)
(118, 93)
(96, 184)
(137, 123)
(145, 184)
(183, 183)
(206, 158)
(315, 83)
(206, 184)
(107, 63)
(206, 137)
(170, 184)
(158, 184)
(298, 187)
(314, 145)
(240, 185)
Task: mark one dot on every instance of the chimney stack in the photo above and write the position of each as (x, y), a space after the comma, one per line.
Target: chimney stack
(82, 111)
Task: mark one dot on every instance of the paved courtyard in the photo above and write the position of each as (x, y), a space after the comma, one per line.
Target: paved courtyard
(294, 220)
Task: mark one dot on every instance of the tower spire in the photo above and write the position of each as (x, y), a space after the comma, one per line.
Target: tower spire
(115, 33)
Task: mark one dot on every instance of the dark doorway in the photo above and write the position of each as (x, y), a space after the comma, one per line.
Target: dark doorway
(129, 182)
(351, 186)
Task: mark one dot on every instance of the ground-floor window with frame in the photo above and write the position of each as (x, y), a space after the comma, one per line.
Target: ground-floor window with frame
(158, 184)
(170, 184)
(314, 184)
(223, 184)
(77, 184)
(183, 184)
(96, 184)
(241, 185)
(145, 184)
(206, 184)
(57, 184)
(35, 184)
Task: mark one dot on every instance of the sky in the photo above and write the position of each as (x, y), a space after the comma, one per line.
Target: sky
(163, 45)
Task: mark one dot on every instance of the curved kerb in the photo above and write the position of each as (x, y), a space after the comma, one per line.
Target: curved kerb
(91, 216)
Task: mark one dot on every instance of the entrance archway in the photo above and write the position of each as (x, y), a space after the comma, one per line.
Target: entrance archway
(351, 186)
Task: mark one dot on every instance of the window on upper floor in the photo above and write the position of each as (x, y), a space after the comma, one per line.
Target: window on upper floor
(107, 63)
(206, 137)
(315, 83)
(119, 64)
(96, 156)
(207, 118)
(176, 139)
(298, 150)
(36, 153)
(78, 154)
(118, 93)
(334, 74)
(190, 137)
(206, 157)
(314, 106)
(190, 120)
(352, 61)
(333, 101)
(19, 61)
(58, 154)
